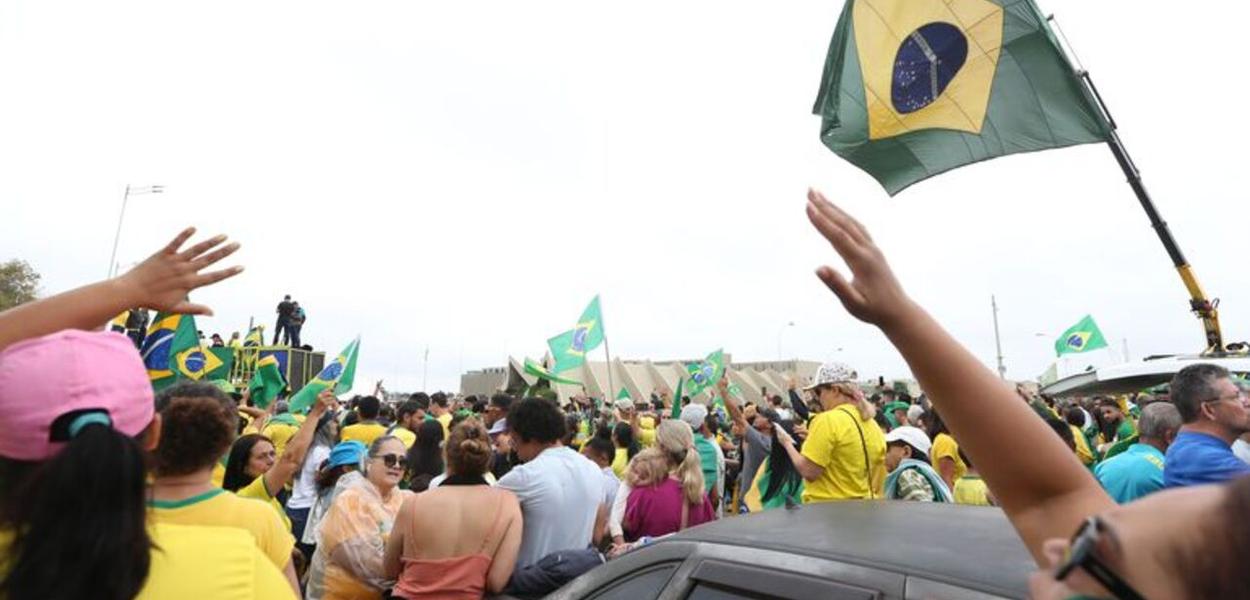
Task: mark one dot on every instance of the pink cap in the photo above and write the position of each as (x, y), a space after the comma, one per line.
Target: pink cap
(44, 378)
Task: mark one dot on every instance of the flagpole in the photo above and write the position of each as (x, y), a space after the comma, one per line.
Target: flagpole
(611, 387)
(998, 344)
(425, 370)
(1203, 307)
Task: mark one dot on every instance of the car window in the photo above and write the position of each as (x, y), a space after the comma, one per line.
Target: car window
(716, 580)
(643, 585)
(709, 592)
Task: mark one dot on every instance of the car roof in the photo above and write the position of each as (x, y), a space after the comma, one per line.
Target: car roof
(971, 545)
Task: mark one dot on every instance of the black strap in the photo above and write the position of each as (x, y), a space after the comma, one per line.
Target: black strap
(863, 444)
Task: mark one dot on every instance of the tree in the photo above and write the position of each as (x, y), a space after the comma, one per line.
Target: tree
(19, 283)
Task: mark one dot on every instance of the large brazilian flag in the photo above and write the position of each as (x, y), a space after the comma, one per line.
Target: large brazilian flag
(914, 88)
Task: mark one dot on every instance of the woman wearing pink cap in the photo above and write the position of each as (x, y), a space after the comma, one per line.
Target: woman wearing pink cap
(76, 411)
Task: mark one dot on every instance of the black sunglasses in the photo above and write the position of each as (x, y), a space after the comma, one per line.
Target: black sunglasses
(392, 460)
(1081, 554)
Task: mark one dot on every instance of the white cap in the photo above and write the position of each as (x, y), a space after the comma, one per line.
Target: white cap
(912, 435)
(832, 372)
(694, 415)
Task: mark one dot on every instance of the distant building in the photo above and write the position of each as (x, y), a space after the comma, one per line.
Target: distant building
(642, 377)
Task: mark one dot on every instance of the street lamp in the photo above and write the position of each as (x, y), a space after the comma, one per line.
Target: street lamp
(780, 332)
(130, 190)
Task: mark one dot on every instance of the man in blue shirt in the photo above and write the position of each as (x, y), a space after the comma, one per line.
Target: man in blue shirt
(1215, 413)
(1139, 470)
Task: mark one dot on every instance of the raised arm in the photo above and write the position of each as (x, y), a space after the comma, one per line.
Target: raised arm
(735, 412)
(796, 401)
(1045, 493)
(284, 470)
(161, 282)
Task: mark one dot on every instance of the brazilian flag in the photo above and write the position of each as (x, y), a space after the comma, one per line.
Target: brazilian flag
(569, 348)
(172, 352)
(540, 371)
(914, 88)
(339, 375)
(1082, 337)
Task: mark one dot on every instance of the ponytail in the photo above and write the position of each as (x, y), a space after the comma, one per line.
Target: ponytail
(690, 473)
(79, 519)
(676, 439)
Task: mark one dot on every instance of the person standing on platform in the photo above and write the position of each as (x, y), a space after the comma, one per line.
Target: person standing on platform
(285, 309)
(296, 323)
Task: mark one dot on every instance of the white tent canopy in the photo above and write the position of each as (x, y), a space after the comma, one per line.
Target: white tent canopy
(1137, 376)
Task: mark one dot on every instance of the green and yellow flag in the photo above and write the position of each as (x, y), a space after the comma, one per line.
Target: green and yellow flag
(340, 374)
(914, 88)
(569, 348)
(540, 371)
(705, 374)
(267, 382)
(1082, 337)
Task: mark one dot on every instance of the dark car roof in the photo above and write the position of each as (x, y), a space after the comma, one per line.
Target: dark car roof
(946, 542)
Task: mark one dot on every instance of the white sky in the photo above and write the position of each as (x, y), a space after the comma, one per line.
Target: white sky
(468, 175)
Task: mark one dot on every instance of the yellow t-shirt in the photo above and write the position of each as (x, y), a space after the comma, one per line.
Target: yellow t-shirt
(1083, 451)
(620, 462)
(944, 446)
(646, 432)
(256, 490)
(220, 563)
(971, 489)
(407, 437)
(446, 421)
(364, 433)
(834, 443)
(219, 508)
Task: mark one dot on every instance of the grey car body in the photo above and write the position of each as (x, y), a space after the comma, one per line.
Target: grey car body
(838, 550)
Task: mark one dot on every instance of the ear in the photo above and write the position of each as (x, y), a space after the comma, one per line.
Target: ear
(152, 435)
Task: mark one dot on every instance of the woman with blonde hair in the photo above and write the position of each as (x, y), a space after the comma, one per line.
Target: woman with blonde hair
(441, 546)
(676, 501)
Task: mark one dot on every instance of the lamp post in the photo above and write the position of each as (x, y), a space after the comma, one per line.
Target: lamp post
(130, 190)
(781, 332)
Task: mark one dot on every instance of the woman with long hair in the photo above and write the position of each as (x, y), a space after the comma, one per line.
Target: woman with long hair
(425, 458)
(352, 540)
(1117, 550)
(78, 421)
(777, 482)
(459, 540)
(677, 501)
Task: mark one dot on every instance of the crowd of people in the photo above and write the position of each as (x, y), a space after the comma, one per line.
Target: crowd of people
(195, 492)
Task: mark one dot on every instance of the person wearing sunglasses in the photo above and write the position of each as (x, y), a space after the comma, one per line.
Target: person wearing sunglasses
(348, 559)
(1183, 543)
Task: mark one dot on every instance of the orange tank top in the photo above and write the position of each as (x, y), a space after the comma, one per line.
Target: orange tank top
(455, 578)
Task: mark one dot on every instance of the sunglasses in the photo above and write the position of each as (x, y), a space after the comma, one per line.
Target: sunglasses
(393, 460)
(1081, 554)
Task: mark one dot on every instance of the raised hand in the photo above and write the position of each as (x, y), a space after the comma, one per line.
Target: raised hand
(164, 280)
(873, 295)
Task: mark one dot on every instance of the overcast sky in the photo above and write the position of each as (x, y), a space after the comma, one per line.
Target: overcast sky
(466, 176)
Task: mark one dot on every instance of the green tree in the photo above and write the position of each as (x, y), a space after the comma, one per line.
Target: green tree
(19, 283)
